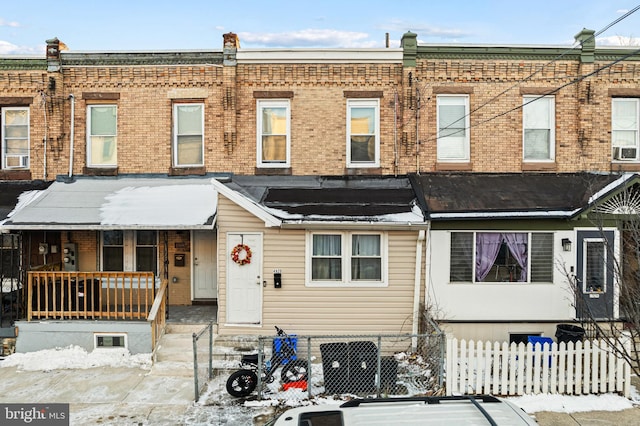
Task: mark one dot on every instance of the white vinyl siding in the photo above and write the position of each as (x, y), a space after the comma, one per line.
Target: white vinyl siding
(363, 133)
(15, 138)
(318, 309)
(538, 125)
(188, 130)
(102, 135)
(624, 129)
(453, 128)
(273, 135)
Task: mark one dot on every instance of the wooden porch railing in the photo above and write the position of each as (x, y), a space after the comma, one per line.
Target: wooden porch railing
(158, 315)
(90, 295)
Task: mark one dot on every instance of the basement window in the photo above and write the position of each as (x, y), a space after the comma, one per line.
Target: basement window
(110, 340)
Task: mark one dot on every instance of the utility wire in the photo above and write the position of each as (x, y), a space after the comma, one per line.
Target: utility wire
(530, 76)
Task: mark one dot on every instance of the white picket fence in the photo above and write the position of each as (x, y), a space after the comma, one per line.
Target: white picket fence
(589, 367)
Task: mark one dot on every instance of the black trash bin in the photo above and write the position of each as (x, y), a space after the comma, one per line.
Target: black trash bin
(363, 366)
(569, 333)
(335, 367)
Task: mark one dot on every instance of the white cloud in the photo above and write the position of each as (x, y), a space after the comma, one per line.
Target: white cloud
(310, 38)
(618, 40)
(7, 48)
(425, 30)
(13, 24)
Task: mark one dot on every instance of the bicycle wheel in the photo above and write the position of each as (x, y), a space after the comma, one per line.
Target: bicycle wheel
(242, 383)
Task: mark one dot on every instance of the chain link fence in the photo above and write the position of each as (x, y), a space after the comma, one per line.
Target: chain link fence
(301, 367)
(202, 352)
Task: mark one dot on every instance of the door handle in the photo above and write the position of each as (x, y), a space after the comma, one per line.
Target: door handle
(258, 280)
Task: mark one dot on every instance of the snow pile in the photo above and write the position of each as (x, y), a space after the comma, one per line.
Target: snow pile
(571, 403)
(75, 357)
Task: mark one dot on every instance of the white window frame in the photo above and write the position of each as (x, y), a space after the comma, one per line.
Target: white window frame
(527, 101)
(129, 245)
(466, 138)
(346, 247)
(273, 103)
(176, 106)
(90, 137)
(25, 160)
(364, 103)
(529, 258)
(617, 154)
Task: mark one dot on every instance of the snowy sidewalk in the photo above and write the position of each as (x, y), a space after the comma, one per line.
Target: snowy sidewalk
(104, 394)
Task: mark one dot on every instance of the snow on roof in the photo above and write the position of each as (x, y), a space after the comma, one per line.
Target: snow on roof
(134, 203)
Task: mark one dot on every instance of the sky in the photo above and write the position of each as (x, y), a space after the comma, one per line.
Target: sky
(215, 404)
(134, 25)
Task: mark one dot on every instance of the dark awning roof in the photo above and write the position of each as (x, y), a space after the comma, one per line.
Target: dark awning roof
(307, 199)
(511, 195)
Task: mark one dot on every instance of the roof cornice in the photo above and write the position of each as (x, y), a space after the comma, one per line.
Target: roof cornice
(293, 56)
(22, 63)
(141, 58)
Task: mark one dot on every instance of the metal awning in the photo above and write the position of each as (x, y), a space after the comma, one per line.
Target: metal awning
(118, 203)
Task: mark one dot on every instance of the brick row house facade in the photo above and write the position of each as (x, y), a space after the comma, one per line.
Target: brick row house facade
(327, 191)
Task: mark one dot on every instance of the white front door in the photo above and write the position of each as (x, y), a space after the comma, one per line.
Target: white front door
(205, 280)
(244, 281)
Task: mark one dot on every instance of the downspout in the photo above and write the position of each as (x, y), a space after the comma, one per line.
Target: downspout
(416, 290)
(71, 135)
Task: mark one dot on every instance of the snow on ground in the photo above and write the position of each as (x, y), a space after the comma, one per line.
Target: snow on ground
(75, 357)
(216, 404)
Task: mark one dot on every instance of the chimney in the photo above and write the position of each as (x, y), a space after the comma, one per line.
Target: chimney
(230, 46)
(53, 55)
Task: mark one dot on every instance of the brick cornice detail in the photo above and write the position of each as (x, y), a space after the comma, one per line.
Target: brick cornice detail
(275, 94)
(363, 94)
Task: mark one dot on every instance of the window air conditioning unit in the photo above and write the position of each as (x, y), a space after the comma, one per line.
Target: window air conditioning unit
(620, 153)
(17, 161)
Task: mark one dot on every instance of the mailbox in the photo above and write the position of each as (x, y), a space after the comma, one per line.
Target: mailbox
(178, 259)
(277, 278)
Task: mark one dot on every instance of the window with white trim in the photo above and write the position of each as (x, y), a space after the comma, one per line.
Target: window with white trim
(102, 135)
(347, 258)
(130, 250)
(274, 140)
(538, 124)
(453, 128)
(363, 132)
(490, 257)
(624, 129)
(188, 134)
(15, 138)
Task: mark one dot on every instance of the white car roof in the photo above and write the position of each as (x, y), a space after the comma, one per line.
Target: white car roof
(418, 411)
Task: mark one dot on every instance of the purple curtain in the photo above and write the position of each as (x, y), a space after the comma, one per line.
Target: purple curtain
(517, 243)
(487, 248)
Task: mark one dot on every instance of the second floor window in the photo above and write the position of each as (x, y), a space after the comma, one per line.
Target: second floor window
(188, 134)
(363, 133)
(273, 133)
(102, 135)
(453, 128)
(538, 125)
(624, 129)
(15, 138)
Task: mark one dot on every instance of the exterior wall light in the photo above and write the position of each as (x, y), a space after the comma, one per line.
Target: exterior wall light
(566, 244)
